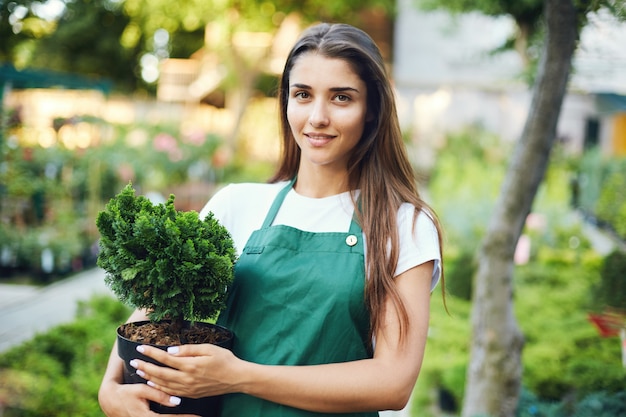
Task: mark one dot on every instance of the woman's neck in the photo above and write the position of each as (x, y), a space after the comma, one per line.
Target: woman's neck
(320, 184)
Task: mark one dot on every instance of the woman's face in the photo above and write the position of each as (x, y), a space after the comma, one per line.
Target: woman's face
(326, 110)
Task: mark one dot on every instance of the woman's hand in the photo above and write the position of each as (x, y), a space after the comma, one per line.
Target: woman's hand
(126, 400)
(192, 371)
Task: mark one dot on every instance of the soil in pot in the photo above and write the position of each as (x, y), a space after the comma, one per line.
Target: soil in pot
(162, 335)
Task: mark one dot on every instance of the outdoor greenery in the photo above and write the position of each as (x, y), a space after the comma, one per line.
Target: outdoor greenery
(601, 187)
(569, 369)
(48, 194)
(49, 197)
(169, 262)
(58, 372)
(610, 293)
(117, 39)
(493, 386)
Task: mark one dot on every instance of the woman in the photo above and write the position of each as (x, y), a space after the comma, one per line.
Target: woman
(338, 258)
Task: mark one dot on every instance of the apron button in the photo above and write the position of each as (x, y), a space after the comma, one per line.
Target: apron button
(351, 240)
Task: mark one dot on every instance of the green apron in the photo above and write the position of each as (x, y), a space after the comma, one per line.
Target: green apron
(297, 299)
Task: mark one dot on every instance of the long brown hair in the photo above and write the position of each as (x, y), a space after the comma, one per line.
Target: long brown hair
(379, 165)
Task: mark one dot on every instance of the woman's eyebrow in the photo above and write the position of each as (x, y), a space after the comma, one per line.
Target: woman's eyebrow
(333, 89)
(339, 89)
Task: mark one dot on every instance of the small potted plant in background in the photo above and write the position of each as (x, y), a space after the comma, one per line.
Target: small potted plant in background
(174, 265)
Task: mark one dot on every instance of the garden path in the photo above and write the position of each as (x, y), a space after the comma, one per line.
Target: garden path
(27, 310)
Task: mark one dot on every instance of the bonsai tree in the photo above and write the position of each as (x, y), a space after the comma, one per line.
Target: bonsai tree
(171, 263)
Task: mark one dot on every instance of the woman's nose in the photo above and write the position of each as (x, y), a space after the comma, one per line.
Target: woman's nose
(319, 114)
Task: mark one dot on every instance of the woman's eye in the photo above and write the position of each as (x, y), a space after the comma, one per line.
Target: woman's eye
(301, 94)
(342, 97)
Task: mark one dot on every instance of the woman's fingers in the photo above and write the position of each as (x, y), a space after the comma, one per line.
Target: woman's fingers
(189, 371)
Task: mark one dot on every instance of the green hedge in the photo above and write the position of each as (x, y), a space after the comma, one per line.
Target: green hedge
(58, 373)
(602, 190)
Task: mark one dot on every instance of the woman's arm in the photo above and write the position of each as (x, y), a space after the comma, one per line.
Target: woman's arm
(383, 382)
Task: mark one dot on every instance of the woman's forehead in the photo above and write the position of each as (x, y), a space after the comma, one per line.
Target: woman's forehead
(322, 69)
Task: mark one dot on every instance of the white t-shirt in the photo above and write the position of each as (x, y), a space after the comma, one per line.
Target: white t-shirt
(242, 208)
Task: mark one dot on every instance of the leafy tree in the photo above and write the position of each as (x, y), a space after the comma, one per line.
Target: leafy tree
(494, 373)
(109, 37)
(83, 38)
(86, 41)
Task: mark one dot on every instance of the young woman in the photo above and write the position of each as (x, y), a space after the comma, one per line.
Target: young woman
(338, 258)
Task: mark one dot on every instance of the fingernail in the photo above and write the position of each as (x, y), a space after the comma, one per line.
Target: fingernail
(141, 373)
(133, 363)
(152, 384)
(140, 349)
(172, 350)
(174, 400)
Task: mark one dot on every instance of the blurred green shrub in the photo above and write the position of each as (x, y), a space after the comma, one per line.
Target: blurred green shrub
(602, 190)
(460, 272)
(58, 373)
(465, 183)
(566, 363)
(610, 291)
(598, 404)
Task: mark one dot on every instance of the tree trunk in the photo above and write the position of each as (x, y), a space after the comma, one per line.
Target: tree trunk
(494, 373)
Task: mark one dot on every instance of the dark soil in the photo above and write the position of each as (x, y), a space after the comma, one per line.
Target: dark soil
(166, 333)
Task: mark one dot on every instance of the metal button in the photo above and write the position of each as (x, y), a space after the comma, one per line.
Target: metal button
(351, 240)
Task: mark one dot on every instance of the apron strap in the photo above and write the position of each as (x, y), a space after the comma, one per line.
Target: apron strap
(355, 228)
(278, 201)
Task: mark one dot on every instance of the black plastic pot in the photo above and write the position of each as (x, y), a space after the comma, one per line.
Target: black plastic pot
(205, 407)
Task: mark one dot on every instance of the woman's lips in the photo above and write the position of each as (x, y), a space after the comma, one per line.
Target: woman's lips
(319, 139)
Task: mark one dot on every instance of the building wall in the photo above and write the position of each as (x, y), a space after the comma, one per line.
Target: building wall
(446, 78)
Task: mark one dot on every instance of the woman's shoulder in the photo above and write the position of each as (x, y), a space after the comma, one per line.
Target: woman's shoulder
(242, 195)
(249, 189)
(406, 215)
(419, 240)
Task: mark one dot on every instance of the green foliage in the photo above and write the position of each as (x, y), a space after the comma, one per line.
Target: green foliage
(589, 177)
(468, 174)
(47, 192)
(602, 404)
(610, 291)
(611, 204)
(460, 272)
(563, 351)
(108, 38)
(169, 262)
(447, 351)
(564, 356)
(602, 190)
(528, 9)
(599, 404)
(96, 53)
(565, 360)
(38, 212)
(57, 373)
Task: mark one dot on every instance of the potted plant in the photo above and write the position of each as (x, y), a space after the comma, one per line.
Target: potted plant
(174, 265)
